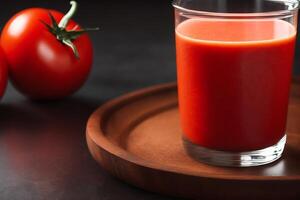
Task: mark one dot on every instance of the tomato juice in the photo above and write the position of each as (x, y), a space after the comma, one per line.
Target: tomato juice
(233, 81)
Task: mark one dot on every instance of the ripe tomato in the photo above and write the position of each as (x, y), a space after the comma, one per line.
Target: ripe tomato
(40, 65)
(3, 73)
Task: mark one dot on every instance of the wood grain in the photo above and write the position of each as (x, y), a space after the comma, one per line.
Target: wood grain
(137, 138)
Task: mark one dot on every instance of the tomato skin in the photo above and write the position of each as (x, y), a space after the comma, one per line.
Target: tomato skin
(3, 73)
(40, 66)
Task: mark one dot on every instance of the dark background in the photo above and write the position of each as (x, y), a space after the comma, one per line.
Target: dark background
(43, 153)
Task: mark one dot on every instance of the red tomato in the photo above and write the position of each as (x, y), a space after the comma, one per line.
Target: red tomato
(3, 73)
(41, 66)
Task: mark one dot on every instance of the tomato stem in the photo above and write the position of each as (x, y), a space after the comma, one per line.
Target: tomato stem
(63, 24)
(67, 36)
(65, 20)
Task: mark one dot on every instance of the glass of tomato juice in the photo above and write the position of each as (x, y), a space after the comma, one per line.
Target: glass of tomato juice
(234, 65)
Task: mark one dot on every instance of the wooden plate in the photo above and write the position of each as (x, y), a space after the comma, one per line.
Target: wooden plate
(137, 138)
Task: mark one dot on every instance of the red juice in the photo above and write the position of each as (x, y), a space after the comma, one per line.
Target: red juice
(233, 81)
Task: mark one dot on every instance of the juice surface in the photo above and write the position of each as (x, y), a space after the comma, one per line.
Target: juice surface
(233, 81)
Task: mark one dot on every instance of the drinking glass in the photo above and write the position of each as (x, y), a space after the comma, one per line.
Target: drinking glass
(234, 63)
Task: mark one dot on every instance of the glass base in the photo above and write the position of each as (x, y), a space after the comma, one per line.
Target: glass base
(235, 159)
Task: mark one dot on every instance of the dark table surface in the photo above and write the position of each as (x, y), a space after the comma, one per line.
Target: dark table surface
(43, 152)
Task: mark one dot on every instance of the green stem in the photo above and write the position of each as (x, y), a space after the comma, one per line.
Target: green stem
(65, 20)
(67, 36)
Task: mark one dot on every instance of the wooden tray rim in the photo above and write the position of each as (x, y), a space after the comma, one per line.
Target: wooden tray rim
(97, 119)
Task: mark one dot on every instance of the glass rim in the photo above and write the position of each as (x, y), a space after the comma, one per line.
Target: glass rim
(292, 8)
